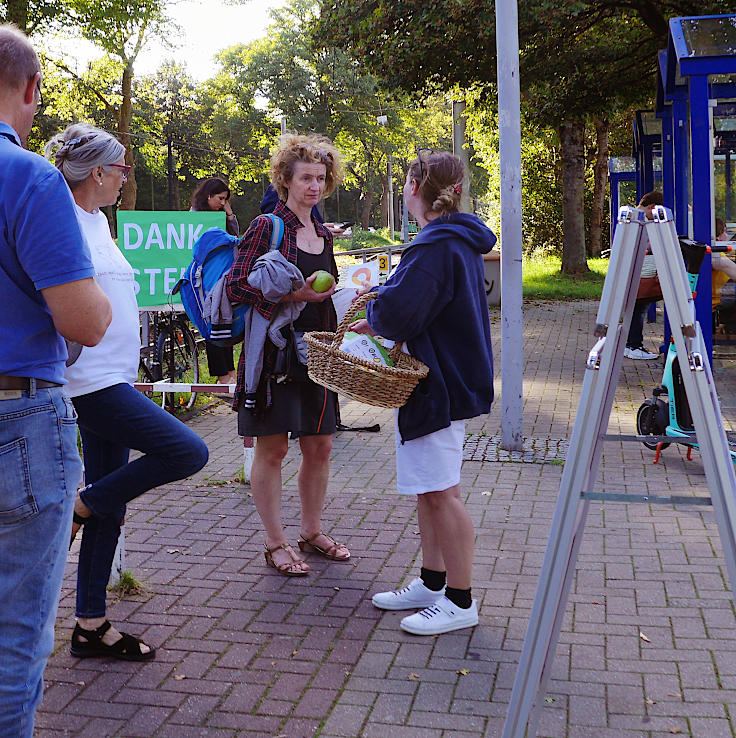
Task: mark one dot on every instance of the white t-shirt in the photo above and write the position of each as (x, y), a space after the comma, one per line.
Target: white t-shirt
(115, 358)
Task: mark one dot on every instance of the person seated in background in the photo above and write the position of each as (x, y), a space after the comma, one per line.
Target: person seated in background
(721, 264)
(722, 270)
(635, 339)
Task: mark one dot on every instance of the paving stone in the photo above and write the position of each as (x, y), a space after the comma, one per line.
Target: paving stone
(263, 655)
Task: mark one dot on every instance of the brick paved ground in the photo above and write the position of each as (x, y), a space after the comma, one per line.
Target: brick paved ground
(648, 645)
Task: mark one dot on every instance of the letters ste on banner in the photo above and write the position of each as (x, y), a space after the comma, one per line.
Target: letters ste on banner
(158, 245)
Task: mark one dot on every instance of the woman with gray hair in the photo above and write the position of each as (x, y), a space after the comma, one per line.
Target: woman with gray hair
(113, 416)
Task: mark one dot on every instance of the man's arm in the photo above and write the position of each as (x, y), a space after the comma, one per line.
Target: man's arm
(80, 310)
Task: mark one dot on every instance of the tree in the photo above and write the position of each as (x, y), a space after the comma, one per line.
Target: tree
(31, 16)
(603, 56)
(121, 28)
(325, 90)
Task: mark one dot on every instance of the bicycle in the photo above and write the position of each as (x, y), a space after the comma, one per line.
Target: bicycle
(171, 353)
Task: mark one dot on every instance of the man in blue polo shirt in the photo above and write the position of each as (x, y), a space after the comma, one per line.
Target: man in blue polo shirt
(48, 291)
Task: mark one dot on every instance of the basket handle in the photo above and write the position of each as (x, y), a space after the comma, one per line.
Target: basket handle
(352, 311)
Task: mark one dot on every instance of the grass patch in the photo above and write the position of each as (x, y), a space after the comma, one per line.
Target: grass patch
(127, 586)
(543, 280)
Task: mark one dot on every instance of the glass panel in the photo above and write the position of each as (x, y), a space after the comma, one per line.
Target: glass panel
(618, 164)
(627, 194)
(724, 179)
(652, 126)
(709, 36)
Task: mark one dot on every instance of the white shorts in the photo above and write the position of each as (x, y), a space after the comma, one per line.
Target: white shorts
(431, 463)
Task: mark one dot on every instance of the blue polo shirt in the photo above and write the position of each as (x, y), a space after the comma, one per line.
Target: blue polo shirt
(40, 246)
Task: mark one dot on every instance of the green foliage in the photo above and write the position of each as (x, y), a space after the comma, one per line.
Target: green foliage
(541, 195)
(578, 59)
(120, 27)
(33, 16)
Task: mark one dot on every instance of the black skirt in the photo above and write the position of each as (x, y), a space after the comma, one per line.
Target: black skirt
(301, 408)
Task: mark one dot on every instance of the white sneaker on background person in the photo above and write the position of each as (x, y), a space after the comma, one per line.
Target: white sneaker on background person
(442, 617)
(639, 353)
(411, 597)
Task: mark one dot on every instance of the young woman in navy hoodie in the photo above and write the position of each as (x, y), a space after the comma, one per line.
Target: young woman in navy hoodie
(435, 302)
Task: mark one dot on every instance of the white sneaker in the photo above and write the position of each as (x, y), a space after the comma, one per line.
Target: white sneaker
(414, 595)
(639, 353)
(442, 617)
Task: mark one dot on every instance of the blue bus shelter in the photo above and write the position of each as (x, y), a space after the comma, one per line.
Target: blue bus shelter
(695, 101)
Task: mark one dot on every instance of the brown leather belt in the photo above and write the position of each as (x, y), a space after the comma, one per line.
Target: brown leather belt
(23, 383)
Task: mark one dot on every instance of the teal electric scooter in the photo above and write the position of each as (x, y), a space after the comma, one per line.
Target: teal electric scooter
(667, 412)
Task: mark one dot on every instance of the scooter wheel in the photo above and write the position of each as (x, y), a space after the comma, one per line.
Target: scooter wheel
(646, 424)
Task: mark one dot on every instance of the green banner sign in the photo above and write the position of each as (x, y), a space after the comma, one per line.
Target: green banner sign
(158, 245)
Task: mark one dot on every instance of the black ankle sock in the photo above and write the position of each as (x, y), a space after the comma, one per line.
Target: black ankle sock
(459, 597)
(433, 580)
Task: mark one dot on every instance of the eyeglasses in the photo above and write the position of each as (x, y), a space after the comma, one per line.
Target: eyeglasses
(39, 102)
(125, 170)
(421, 165)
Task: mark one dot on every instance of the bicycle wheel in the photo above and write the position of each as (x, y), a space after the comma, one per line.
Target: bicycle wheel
(185, 364)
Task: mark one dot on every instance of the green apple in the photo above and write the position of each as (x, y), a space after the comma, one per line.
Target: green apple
(322, 281)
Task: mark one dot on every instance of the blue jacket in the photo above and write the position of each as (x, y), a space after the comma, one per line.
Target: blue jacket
(435, 302)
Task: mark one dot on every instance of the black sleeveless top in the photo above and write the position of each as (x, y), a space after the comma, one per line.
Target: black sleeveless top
(310, 318)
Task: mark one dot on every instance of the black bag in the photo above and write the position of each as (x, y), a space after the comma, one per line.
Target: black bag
(288, 368)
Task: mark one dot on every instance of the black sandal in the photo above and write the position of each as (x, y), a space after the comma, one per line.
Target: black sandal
(128, 648)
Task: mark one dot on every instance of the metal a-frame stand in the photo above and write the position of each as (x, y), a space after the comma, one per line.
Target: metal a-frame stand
(633, 233)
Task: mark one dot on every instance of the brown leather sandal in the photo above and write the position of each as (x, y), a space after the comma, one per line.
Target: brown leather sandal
(307, 544)
(286, 569)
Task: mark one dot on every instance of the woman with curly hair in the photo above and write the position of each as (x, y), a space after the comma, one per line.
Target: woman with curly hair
(304, 170)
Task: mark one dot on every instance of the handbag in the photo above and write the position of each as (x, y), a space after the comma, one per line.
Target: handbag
(649, 289)
(287, 367)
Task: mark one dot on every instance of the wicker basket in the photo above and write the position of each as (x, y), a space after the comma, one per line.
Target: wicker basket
(361, 379)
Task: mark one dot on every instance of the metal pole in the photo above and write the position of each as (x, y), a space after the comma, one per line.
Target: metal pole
(283, 125)
(390, 175)
(170, 168)
(458, 148)
(509, 126)
(404, 222)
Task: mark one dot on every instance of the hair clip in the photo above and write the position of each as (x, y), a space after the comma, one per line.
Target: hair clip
(74, 142)
(457, 188)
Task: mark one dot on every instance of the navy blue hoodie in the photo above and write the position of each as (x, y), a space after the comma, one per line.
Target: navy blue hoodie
(435, 302)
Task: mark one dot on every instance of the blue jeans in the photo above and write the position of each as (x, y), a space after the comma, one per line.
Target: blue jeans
(112, 421)
(40, 471)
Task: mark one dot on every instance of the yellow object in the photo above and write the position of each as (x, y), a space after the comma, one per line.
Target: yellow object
(718, 280)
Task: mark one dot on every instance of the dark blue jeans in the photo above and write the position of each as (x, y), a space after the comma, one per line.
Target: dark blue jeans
(112, 421)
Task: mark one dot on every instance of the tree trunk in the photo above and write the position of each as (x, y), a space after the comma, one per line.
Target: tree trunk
(17, 13)
(600, 179)
(366, 203)
(177, 192)
(571, 134)
(130, 188)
